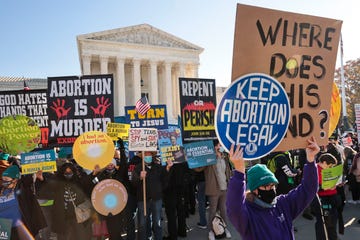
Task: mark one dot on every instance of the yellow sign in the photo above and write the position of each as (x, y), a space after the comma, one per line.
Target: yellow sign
(118, 130)
(35, 167)
(335, 108)
(92, 148)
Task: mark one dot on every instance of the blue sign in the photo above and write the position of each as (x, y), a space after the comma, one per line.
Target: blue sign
(200, 154)
(170, 145)
(44, 160)
(156, 117)
(255, 113)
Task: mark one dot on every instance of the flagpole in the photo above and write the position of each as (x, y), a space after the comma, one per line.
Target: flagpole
(346, 125)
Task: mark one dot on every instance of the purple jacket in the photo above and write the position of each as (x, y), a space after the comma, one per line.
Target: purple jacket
(253, 221)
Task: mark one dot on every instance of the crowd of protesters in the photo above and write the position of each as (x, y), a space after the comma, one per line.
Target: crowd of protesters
(42, 204)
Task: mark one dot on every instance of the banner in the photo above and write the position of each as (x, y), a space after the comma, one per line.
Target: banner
(200, 154)
(143, 139)
(170, 145)
(155, 117)
(31, 103)
(77, 105)
(331, 176)
(197, 103)
(255, 113)
(38, 161)
(300, 52)
(18, 134)
(118, 130)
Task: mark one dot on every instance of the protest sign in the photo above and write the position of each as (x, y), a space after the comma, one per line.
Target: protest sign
(255, 113)
(5, 228)
(170, 145)
(300, 52)
(330, 176)
(118, 130)
(357, 120)
(197, 103)
(31, 103)
(335, 110)
(200, 154)
(32, 162)
(93, 148)
(155, 117)
(143, 139)
(18, 134)
(109, 197)
(77, 105)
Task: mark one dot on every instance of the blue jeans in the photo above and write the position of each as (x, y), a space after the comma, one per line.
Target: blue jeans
(201, 198)
(153, 219)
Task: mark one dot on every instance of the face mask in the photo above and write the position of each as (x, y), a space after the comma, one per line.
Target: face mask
(110, 170)
(6, 184)
(68, 176)
(148, 159)
(267, 195)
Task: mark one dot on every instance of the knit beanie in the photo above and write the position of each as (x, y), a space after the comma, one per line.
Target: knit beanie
(4, 156)
(259, 175)
(12, 172)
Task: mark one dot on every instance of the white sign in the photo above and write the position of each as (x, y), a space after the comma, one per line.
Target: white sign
(143, 139)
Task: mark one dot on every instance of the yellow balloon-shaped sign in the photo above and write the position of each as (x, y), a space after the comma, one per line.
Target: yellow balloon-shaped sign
(335, 109)
(93, 148)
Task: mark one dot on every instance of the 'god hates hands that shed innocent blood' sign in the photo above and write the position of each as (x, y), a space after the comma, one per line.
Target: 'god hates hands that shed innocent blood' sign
(254, 112)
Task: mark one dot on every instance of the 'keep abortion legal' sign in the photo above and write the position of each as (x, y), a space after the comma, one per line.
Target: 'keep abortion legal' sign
(254, 112)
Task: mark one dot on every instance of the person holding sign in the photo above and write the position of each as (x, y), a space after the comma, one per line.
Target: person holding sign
(257, 213)
(18, 203)
(329, 200)
(156, 176)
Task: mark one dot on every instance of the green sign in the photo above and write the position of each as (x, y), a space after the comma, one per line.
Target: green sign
(5, 228)
(18, 133)
(331, 176)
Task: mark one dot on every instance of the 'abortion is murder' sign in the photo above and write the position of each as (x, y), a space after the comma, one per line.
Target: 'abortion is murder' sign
(300, 52)
(77, 105)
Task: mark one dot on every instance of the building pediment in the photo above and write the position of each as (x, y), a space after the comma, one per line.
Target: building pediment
(142, 34)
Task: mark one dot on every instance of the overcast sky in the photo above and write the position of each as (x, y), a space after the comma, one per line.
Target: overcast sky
(38, 38)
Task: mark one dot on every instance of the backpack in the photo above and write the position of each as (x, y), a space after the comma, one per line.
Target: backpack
(218, 227)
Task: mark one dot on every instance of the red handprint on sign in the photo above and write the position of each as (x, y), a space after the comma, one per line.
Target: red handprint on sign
(103, 104)
(59, 108)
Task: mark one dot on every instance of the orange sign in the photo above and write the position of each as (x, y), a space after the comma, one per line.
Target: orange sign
(300, 52)
(92, 148)
(109, 196)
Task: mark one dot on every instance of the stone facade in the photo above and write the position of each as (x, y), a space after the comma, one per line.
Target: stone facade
(144, 61)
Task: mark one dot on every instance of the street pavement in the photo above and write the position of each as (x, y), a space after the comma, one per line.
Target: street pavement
(306, 228)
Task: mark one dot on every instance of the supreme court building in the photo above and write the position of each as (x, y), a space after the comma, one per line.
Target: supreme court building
(144, 61)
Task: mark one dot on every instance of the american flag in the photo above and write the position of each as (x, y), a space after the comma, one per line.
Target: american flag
(142, 106)
(26, 87)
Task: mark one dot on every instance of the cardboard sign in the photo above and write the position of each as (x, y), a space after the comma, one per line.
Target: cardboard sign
(32, 103)
(198, 103)
(109, 196)
(200, 154)
(118, 130)
(18, 134)
(156, 117)
(255, 113)
(335, 110)
(300, 52)
(92, 148)
(40, 160)
(331, 176)
(77, 105)
(143, 139)
(170, 145)
(5, 228)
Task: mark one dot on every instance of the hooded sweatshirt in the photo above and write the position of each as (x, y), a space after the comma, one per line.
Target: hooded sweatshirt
(254, 221)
